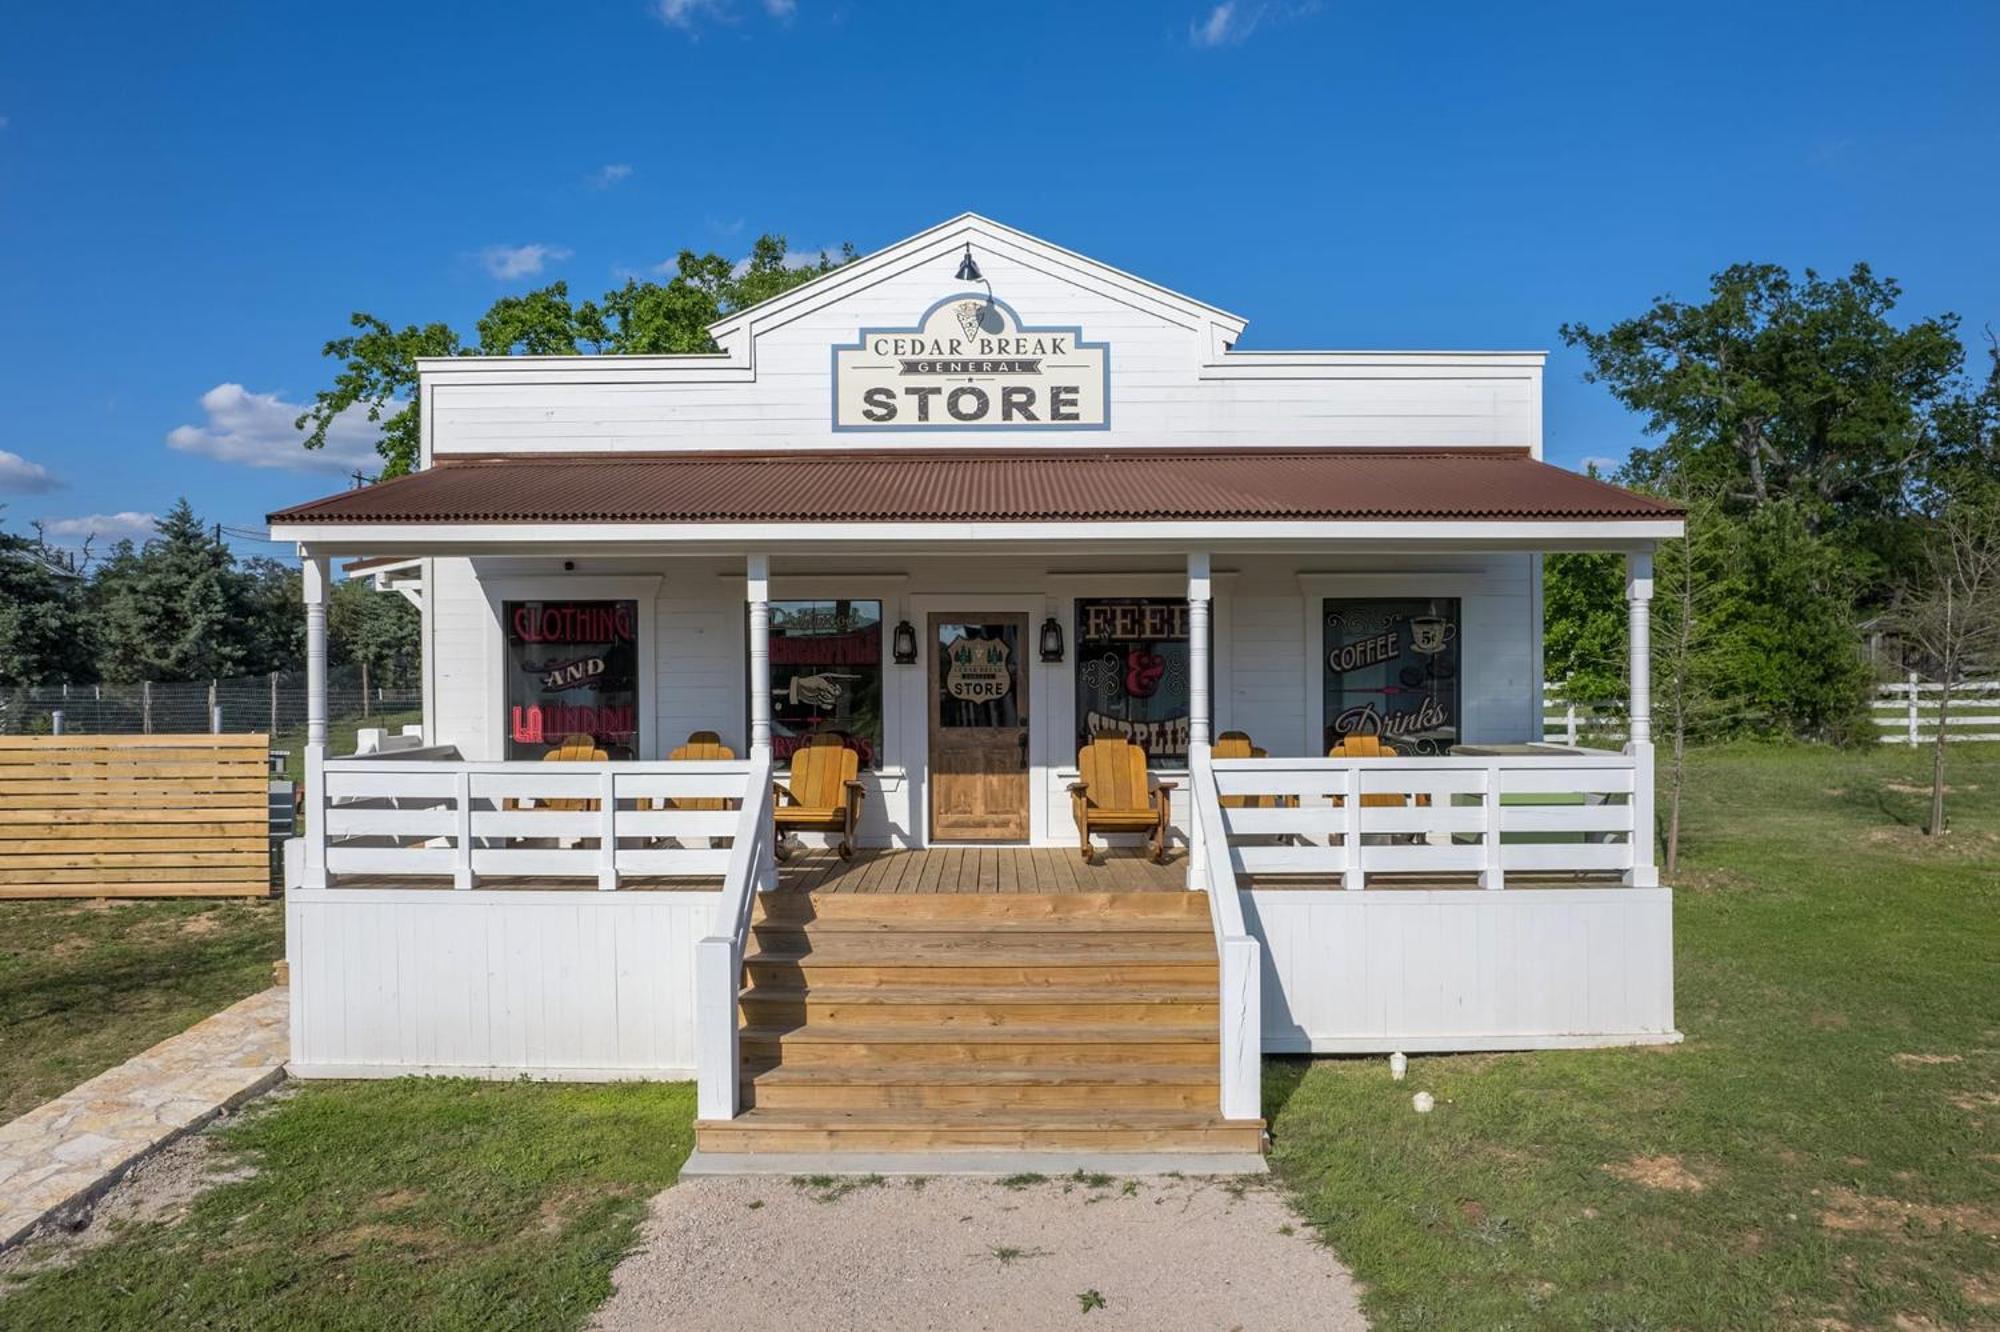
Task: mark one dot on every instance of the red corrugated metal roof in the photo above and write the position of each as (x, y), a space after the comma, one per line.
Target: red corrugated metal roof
(986, 486)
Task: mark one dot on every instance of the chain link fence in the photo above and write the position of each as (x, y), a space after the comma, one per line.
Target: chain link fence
(273, 703)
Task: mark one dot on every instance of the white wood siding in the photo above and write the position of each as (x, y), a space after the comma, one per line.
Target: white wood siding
(592, 986)
(1379, 971)
(1267, 646)
(1170, 386)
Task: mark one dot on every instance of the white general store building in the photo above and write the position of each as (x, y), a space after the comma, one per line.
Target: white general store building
(964, 519)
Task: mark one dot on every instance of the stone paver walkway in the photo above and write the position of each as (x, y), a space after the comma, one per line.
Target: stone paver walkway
(66, 1152)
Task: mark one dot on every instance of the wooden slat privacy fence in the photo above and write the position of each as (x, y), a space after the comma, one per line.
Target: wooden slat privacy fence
(134, 816)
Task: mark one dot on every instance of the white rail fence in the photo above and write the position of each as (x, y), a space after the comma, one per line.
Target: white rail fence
(1567, 722)
(415, 815)
(1907, 711)
(1238, 953)
(1489, 816)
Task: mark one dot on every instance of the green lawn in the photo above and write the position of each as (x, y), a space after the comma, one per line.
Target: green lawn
(87, 984)
(1825, 1145)
(414, 1203)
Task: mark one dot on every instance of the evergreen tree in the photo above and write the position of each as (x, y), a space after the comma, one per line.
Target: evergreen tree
(44, 628)
(175, 609)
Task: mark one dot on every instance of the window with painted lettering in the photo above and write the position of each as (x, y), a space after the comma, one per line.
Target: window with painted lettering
(1390, 667)
(572, 669)
(1131, 660)
(826, 676)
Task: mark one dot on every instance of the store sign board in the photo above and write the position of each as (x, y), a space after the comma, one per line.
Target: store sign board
(968, 363)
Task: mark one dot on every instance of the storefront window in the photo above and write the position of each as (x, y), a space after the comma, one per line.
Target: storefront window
(826, 676)
(1390, 667)
(1132, 673)
(572, 669)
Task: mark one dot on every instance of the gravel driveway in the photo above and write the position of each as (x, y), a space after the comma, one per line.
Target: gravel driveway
(957, 1253)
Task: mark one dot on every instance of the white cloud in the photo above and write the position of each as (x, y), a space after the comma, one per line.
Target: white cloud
(610, 174)
(1230, 23)
(22, 477)
(1221, 27)
(103, 526)
(1602, 464)
(516, 261)
(688, 14)
(256, 430)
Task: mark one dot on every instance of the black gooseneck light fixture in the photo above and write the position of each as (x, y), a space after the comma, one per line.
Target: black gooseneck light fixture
(968, 269)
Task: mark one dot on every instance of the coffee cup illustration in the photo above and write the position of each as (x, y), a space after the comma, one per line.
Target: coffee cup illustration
(1430, 633)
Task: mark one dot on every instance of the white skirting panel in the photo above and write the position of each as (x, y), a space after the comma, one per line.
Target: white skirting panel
(590, 986)
(1516, 969)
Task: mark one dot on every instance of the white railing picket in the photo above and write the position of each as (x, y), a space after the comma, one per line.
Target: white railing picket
(1238, 954)
(392, 817)
(718, 958)
(1541, 811)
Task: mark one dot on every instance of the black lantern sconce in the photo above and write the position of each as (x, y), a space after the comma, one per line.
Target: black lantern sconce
(903, 644)
(1052, 644)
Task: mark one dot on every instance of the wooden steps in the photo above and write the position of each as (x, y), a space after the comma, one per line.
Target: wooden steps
(1014, 1021)
(1039, 1129)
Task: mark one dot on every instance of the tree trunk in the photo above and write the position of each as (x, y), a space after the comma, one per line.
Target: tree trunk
(1674, 800)
(1936, 826)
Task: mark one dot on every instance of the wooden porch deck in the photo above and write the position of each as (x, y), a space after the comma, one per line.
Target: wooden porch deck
(982, 869)
(986, 869)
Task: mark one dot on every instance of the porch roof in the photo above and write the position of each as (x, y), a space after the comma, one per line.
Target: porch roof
(988, 486)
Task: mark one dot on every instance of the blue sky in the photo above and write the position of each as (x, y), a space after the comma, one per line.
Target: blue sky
(193, 198)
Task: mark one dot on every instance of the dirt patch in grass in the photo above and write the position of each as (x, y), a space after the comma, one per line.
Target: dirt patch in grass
(1919, 1060)
(1668, 1173)
(157, 1191)
(1847, 1210)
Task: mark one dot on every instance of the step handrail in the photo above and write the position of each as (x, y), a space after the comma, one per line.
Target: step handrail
(1238, 954)
(718, 958)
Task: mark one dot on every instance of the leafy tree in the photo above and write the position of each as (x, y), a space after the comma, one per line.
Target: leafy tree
(275, 615)
(174, 609)
(1950, 611)
(44, 627)
(376, 631)
(1583, 626)
(379, 362)
(1691, 691)
(1786, 650)
(1778, 391)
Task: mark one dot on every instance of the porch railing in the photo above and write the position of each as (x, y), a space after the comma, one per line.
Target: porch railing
(718, 958)
(1488, 816)
(394, 816)
(1239, 956)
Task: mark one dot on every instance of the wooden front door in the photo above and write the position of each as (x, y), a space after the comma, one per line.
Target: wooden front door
(979, 727)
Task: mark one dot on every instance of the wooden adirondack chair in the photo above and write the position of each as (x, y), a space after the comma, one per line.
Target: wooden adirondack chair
(1236, 745)
(705, 738)
(1368, 746)
(825, 794)
(1115, 793)
(578, 748)
(698, 749)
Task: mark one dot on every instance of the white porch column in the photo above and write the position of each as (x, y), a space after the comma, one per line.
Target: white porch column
(313, 572)
(1639, 714)
(757, 592)
(1200, 590)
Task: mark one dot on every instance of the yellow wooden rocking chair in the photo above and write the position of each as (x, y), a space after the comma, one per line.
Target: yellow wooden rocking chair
(1115, 793)
(825, 795)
